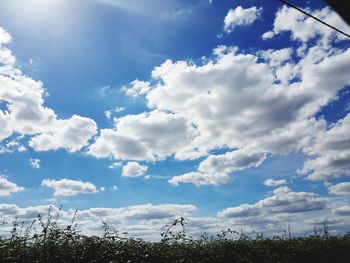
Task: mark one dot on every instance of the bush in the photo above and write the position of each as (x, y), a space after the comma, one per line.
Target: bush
(54, 244)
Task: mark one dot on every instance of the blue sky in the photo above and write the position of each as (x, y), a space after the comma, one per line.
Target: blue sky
(231, 113)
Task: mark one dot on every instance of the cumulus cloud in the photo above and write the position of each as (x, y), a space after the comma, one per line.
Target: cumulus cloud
(231, 161)
(340, 189)
(137, 88)
(134, 169)
(71, 134)
(331, 152)
(7, 188)
(304, 28)
(26, 114)
(147, 136)
(272, 182)
(199, 178)
(35, 163)
(216, 168)
(67, 187)
(241, 17)
(283, 200)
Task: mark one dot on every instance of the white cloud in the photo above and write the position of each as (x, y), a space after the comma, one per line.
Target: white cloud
(340, 189)
(137, 88)
(283, 200)
(146, 136)
(240, 112)
(115, 165)
(7, 187)
(66, 187)
(216, 168)
(304, 28)
(25, 113)
(231, 161)
(12, 146)
(109, 113)
(272, 182)
(71, 134)
(241, 17)
(331, 151)
(276, 57)
(199, 178)
(140, 212)
(134, 169)
(267, 35)
(244, 210)
(35, 163)
(5, 37)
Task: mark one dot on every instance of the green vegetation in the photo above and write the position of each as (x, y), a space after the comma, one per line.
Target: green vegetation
(51, 243)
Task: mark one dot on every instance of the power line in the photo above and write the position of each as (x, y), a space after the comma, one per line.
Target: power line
(317, 19)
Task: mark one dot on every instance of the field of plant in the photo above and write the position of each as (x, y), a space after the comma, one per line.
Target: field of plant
(65, 244)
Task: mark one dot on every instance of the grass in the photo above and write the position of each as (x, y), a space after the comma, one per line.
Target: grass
(51, 243)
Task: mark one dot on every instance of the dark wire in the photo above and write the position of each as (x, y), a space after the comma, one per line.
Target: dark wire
(319, 20)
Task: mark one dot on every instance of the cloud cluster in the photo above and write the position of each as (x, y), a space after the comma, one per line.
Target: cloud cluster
(67, 187)
(226, 101)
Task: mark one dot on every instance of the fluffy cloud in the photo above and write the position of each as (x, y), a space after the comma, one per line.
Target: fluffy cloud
(231, 161)
(137, 88)
(71, 134)
(331, 151)
(283, 200)
(66, 187)
(216, 168)
(35, 163)
(24, 112)
(304, 28)
(147, 136)
(272, 182)
(199, 178)
(134, 169)
(240, 17)
(340, 189)
(108, 113)
(7, 187)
